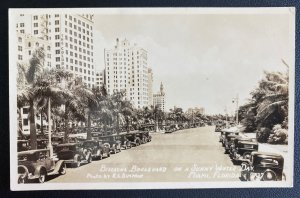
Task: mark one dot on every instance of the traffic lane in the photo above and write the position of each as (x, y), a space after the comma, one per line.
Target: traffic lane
(186, 155)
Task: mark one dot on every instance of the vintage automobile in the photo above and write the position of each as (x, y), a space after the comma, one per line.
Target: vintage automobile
(56, 140)
(133, 138)
(242, 152)
(224, 136)
(36, 164)
(148, 136)
(263, 166)
(73, 154)
(97, 148)
(228, 141)
(171, 128)
(234, 146)
(23, 145)
(113, 141)
(125, 142)
(42, 143)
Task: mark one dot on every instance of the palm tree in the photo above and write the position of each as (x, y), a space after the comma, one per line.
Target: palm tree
(28, 74)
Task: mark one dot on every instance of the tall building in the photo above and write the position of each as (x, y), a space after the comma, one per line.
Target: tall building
(159, 98)
(27, 44)
(126, 69)
(100, 78)
(70, 38)
(150, 85)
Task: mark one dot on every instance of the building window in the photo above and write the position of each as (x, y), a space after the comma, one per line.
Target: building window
(56, 36)
(29, 44)
(57, 44)
(35, 25)
(21, 24)
(35, 32)
(20, 48)
(35, 17)
(22, 31)
(29, 52)
(56, 29)
(57, 51)
(56, 22)
(57, 59)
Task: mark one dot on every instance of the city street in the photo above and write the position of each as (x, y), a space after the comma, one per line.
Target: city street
(185, 155)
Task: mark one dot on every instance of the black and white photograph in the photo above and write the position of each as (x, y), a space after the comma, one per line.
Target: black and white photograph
(151, 98)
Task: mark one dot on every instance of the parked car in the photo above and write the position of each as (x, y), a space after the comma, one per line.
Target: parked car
(42, 143)
(73, 154)
(23, 145)
(148, 136)
(125, 142)
(242, 152)
(234, 146)
(113, 141)
(224, 135)
(263, 166)
(36, 164)
(228, 141)
(97, 148)
(133, 138)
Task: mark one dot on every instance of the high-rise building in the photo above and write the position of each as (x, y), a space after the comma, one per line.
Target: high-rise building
(150, 85)
(100, 78)
(126, 69)
(70, 38)
(27, 44)
(159, 98)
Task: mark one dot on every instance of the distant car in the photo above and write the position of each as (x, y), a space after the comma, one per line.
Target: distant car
(42, 143)
(263, 167)
(36, 164)
(23, 145)
(148, 136)
(113, 141)
(97, 148)
(218, 128)
(242, 151)
(73, 154)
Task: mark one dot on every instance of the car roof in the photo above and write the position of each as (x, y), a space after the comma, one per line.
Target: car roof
(23, 141)
(30, 152)
(67, 144)
(248, 142)
(266, 154)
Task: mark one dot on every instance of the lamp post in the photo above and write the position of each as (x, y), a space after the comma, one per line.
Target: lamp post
(236, 101)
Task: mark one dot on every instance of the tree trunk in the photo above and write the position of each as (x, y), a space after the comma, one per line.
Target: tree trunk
(42, 123)
(33, 141)
(66, 117)
(118, 124)
(89, 134)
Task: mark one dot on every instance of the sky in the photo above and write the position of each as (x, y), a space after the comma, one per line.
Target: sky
(203, 60)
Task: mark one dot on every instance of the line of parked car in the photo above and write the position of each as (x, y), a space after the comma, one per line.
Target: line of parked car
(38, 164)
(255, 165)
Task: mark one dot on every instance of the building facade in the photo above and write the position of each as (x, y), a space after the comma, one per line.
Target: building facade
(126, 69)
(150, 85)
(100, 78)
(70, 38)
(159, 98)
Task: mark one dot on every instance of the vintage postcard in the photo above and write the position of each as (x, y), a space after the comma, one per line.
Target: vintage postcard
(151, 98)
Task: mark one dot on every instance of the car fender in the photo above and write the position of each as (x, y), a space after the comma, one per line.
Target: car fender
(39, 169)
(58, 165)
(23, 170)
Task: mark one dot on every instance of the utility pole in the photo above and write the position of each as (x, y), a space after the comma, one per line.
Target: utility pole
(236, 101)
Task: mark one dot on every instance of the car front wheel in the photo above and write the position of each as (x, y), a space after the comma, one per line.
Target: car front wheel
(63, 169)
(21, 179)
(42, 176)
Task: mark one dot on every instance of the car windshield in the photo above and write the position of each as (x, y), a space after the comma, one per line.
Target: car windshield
(27, 158)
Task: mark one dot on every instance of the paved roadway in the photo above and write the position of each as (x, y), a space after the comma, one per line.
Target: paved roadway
(185, 155)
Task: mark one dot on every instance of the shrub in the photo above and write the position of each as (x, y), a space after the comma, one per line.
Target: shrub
(278, 135)
(263, 134)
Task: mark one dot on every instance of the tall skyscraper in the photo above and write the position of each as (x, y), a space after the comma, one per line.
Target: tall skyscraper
(159, 98)
(126, 69)
(100, 78)
(150, 85)
(70, 38)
